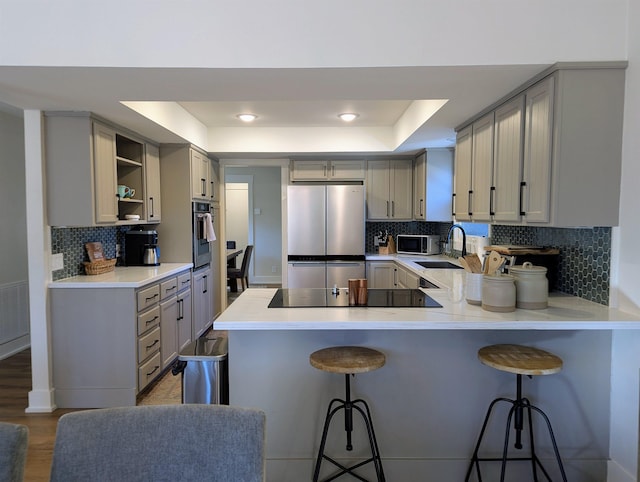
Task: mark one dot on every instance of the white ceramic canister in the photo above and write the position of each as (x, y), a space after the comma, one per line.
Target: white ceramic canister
(473, 288)
(498, 293)
(532, 286)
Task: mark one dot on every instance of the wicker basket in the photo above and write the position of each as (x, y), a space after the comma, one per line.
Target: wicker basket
(100, 266)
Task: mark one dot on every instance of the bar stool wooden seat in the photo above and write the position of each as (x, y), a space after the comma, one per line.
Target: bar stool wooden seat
(521, 360)
(348, 360)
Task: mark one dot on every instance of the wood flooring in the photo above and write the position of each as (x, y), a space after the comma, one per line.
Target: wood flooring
(15, 384)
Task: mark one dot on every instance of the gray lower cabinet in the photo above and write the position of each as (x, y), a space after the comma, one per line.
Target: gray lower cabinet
(382, 274)
(108, 344)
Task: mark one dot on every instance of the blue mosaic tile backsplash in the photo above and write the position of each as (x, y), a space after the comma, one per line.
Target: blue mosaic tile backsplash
(70, 242)
(583, 264)
(584, 261)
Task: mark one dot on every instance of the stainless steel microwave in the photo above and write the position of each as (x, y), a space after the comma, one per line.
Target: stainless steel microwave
(418, 244)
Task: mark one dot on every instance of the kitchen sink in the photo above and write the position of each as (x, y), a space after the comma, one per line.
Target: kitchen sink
(438, 265)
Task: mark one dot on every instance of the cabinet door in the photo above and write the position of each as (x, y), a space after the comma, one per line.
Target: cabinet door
(168, 331)
(184, 319)
(420, 187)
(462, 185)
(202, 296)
(378, 205)
(346, 170)
(308, 170)
(482, 168)
(382, 275)
(401, 189)
(199, 176)
(536, 178)
(105, 185)
(153, 208)
(507, 161)
(214, 181)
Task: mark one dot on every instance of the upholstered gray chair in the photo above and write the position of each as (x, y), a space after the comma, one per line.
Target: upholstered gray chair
(13, 451)
(217, 443)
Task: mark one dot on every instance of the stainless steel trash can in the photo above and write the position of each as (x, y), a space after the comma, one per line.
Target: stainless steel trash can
(205, 371)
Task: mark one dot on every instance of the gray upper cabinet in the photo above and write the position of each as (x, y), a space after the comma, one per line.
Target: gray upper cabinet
(200, 176)
(507, 161)
(322, 170)
(556, 152)
(152, 184)
(462, 186)
(86, 161)
(390, 190)
(433, 185)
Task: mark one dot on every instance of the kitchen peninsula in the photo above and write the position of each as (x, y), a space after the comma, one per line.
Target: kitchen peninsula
(429, 399)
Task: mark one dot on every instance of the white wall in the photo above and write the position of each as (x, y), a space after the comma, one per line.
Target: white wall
(13, 234)
(331, 33)
(14, 300)
(625, 363)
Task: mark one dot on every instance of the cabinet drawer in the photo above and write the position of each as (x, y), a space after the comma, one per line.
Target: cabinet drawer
(184, 281)
(148, 297)
(148, 371)
(148, 319)
(148, 344)
(168, 288)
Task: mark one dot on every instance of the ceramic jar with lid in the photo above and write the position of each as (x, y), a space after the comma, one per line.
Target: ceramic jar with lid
(532, 286)
(498, 293)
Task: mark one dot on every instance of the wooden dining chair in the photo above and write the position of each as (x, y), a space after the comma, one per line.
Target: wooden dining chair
(242, 273)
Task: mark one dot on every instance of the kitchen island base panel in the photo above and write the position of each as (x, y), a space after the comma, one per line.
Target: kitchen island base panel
(426, 402)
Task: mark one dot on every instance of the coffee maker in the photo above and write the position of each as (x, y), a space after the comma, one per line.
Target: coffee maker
(141, 247)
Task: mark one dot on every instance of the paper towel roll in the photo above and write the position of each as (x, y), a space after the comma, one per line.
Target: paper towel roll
(481, 243)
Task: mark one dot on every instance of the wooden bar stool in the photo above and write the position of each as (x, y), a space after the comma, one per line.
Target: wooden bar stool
(521, 360)
(348, 360)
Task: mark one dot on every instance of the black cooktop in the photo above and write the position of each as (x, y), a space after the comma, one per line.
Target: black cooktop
(325, 298)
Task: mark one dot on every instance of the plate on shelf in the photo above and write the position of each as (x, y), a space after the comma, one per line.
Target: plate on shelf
(132, 217)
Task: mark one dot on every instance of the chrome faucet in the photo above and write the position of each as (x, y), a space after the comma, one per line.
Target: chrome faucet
(464, 240)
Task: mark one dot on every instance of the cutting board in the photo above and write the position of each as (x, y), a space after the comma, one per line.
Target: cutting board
(513, 249)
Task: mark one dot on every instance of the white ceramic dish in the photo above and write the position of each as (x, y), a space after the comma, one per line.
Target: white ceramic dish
(132, 217)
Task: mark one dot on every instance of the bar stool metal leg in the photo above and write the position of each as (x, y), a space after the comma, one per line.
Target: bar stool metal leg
(348, 406)
(516, 413)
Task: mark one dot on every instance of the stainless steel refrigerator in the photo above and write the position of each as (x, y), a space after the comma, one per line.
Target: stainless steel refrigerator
(325, 235)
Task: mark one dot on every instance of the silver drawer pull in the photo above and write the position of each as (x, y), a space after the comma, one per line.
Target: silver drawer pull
(151, 320)
(152, 344)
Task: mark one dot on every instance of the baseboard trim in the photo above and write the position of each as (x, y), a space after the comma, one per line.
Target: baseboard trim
(14, 346)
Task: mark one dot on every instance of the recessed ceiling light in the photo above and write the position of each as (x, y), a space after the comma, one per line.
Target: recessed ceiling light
(247, 117)
(347, 116)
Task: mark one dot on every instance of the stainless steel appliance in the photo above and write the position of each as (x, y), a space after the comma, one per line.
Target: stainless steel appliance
(418, 244)
(141, 247)
(325, 235)
(201, 248)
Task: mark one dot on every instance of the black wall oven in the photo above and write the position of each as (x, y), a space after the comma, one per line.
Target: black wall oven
(201, 248)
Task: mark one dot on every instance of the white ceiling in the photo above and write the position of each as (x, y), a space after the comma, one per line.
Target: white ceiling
(293, 105)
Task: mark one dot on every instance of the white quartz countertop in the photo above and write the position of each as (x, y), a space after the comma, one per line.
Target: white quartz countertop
(123, 277)
(250, 312)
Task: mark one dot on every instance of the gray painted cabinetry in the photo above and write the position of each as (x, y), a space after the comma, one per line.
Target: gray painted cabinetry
(390, 190)
(86, 161)
(538, 156)
(109, 343)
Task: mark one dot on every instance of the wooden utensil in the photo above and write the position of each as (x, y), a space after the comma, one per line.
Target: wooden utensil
(465, 265)
(474, 263)
(492, 263)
